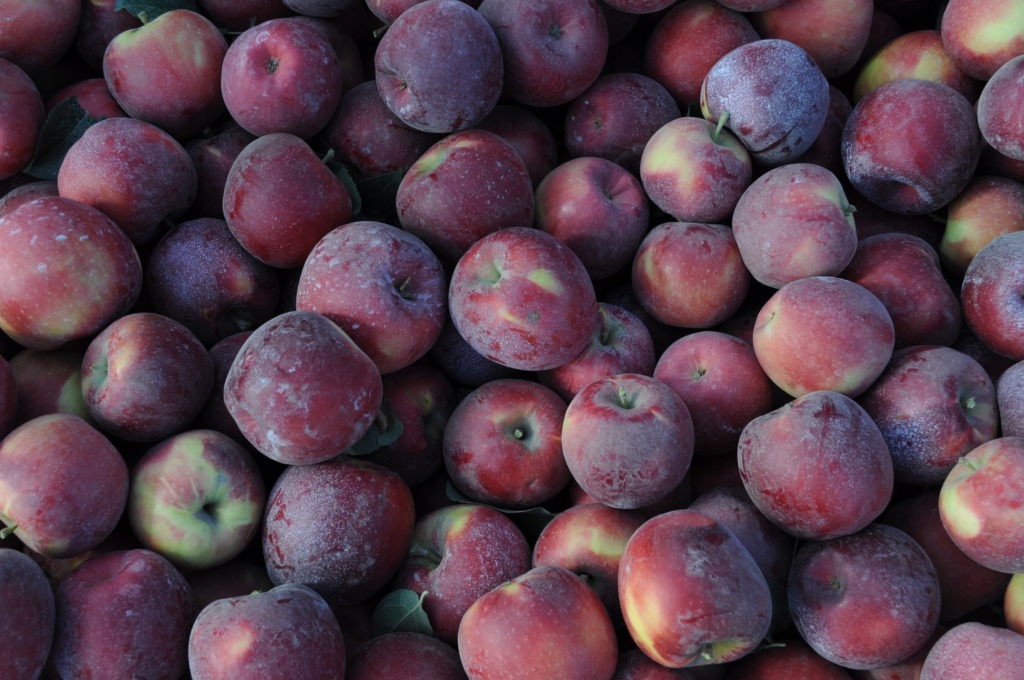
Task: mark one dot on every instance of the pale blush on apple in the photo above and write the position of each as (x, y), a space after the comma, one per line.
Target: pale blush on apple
(689, 274)
(1013, 603)
(502, 444)
(722, 384)
(123, 614)
(197, 498)
(712, 607)
(596, 207)
(457, 554)
(48, 381)
(439, 66)
(288, 631)
(67, 509)
(980, 502)
(465, 186)
(913, 54)
(904, 272)
(982, 35)
(545, 624)
(522, 298)
(806, 339)
(866, 600)
(301, 390)
(989, 206)
(772, 96)
(628, 440)
(695, 170)
(794, 461)
(792, 222)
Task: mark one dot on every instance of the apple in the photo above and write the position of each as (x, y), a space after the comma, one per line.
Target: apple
(552, 50)
(288, 631)
(722, 384)
(864, 600)
(826, 149)
(695, 170)
(123, 614)
(712, 607)
(544, 624)
(214, 414)
(911, 145)
(621, 343)
(792, 222)
(30, 615)
(522, 298)
(301, 390)
(1013, 603)
(439, 66)
(904, 272)
(280, 199)
(92, 94)
(806, 339)
(133, 171)
(281, 76)
(462, 365)
(405, 654)
(36, 36)
(688, 39)
(982, 36)
(530, 134)
(145, 377)
(197, 498)
(980, 506)
(998, 109)
(628, 440)
(503, 444)
(199, 275)
(61, 510)
(833, 33)
(238, 576)
(48, 381)
(771, 95)
(101, 21)
(457, 554)
(989, 206)
(167, 72)
(616, 116)
(913, 54)
(788, 658)
(964, 584)
(465, 186)
(689, 274)
(933, 404)
(791, 459)
(1009, 400)
(238, 15)
(213, 155)
(596, 207)
(588, 539)
(24, 193)
(23, 113)
(990, 295)
(382, 285)
(342, 527)
(973, 649)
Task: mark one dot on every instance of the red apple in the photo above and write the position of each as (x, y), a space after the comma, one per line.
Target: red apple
(990, 205)
(912, 54)
(973, 649)
(36, 36)
(991, 295)
(22, 112)
(982, 36)
(408, 655)
(30, 614)
(1009, 399)
(545, 624)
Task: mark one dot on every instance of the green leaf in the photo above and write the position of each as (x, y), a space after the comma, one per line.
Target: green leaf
(386, 429)
(147, 10)
(64, 125)
(342, 172)
(400, 611)
(378, 195)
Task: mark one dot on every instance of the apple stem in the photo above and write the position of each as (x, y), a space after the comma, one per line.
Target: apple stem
(969, 403)
(328, 157)
(7, 531)
(143, 17)
(624, 398)
(721, 124)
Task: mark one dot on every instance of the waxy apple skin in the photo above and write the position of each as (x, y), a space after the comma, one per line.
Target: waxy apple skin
(974, 649)
(713, 607)
(23, 116)
(29, 615)
(67, 509)
(991, 295)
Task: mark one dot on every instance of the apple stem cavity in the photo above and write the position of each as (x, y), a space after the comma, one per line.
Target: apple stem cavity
(626, 400)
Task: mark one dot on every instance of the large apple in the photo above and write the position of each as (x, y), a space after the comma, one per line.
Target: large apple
(30, 613)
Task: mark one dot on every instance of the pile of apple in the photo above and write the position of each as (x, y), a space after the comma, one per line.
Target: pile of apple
(511, 339)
